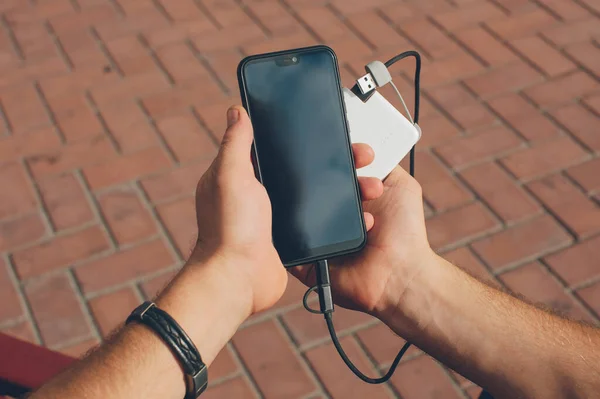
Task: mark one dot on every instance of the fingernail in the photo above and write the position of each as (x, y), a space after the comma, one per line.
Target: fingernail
(233, 115)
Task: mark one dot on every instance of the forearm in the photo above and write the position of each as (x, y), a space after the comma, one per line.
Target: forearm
(509, 347)
(136, 362)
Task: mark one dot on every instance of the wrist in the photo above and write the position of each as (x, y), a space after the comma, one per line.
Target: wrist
(406, 305)
(209, 301)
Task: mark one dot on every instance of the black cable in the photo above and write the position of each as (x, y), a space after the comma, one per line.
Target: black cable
(323, 286)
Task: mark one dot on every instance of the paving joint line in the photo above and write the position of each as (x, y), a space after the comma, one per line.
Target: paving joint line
(83, 305)
(106, 129)
(205, 10)
(254, 18)
(211, 135)
(301, 21)
(304, 363)
(161, 9)
(245, 370)
(41, 208)
(23, 300)
(350, 26)
(158, 63)
(317, 342)
(206, 64)
(97, 211)
(161, 139)
(162, 230)
(588, 8)
(12, 38)
(57, 43)
(458, 42)
(49, 112)
(401, 32)
(375, 366)
(106, 52)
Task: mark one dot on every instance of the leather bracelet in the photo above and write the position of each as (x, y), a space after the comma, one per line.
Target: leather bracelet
(180, 344)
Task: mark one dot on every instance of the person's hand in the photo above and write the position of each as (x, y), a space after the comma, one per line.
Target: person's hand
(234, 214)
(396, 248)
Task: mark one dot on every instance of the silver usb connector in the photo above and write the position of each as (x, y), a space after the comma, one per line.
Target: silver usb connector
(366, 84)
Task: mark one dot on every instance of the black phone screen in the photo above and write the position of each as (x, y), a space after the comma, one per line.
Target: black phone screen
(303, 154)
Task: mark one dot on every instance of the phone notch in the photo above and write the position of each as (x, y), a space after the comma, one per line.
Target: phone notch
(287, 60)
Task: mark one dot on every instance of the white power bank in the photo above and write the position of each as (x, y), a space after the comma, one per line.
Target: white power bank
(379, 124)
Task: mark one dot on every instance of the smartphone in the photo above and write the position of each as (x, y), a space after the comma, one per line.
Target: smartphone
(302, 152)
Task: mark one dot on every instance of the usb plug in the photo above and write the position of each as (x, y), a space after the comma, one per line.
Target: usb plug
(366, 84)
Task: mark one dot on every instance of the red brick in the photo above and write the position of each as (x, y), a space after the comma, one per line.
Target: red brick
(569, 204)
(587, 175)
(500, 192)
(199, 91)
(130, 55)
(507, 78)
(22, 331)
(470, 15)
(224, 63)
(129, 88)
(180, 62)
(127, 218)
(180, 31)
(123, 266)
(439, 130)
(176, 182)
(567, 10)
(521, 243)
(56, 309)
(464, 258)
(179, 217)
(182, 10)
(440, 188)
(75, 118)
(577, 264)
(452, 96)
(231, 36)
(339, 381)
(20, 231)
(536, 284)
(119, 170)
(562, 90)
(65, 202)
(274, 17)
(581, 122)
(486, 46)
(586, 54)
(227, 12)
(111, 310)
(423, 378)
(351, 47)
(459, 225)
(544, 56)
(536, 127)
(477, 147)
(427, 36)
(11, 305)
(450, 69)
(59, 252)
(128, 126)
(213, 116)
(152, 287)
(593, 102)
(80, 349)
(19, 198)
(512, 106)
(574, 32)
(382, 344)
(71, 157)
(28, 144)
(306, 327)
(82, 50)
(544, 158)
(324, 23)
(269, 357)
(349, 7)
(522, 24)
(235, 388)
(591, 296)
(186, 139)
(223, 365)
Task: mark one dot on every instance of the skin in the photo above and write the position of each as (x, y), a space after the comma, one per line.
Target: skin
(495, 340)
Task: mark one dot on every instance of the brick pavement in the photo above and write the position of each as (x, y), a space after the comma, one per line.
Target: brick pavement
(110, 111)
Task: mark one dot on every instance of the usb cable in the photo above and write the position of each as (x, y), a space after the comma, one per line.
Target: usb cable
(377, 76)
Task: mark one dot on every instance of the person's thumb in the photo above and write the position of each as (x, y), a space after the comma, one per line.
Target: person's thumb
(237, 141)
